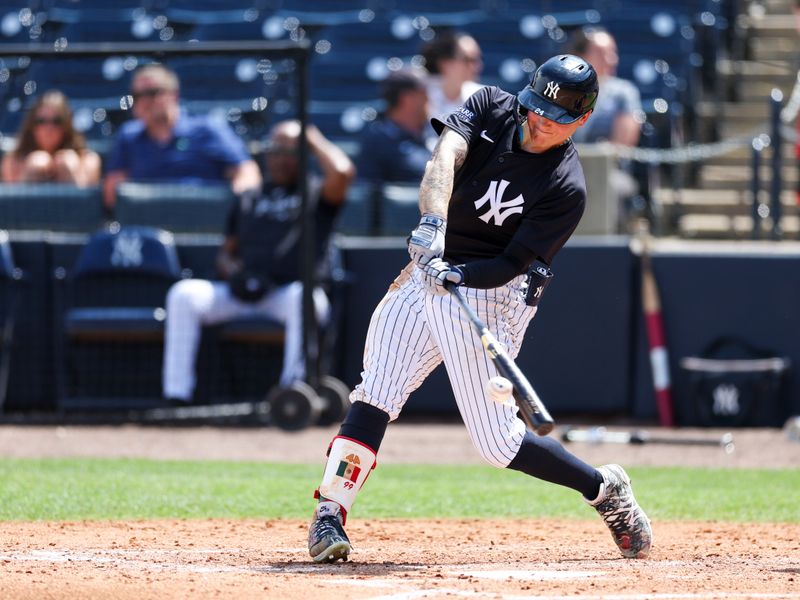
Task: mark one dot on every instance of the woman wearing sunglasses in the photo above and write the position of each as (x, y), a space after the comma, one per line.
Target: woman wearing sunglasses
(49, 149)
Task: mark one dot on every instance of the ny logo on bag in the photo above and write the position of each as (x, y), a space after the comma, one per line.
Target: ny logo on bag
(499, 209)
(127, 250)
(726, 400)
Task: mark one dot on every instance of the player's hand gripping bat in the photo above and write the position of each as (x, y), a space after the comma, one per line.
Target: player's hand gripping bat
(533, 411)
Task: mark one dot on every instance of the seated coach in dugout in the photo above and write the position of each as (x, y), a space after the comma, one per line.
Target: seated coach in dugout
(163, 144)
(259, 261)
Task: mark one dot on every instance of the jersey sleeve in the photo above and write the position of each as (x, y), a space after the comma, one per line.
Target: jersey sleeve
(468, 120)
(550, 222)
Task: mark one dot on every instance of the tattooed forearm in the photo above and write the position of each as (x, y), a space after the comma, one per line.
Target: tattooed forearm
(437, 183)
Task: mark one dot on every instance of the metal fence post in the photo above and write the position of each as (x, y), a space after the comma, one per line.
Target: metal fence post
(776, 97)
(755, 186)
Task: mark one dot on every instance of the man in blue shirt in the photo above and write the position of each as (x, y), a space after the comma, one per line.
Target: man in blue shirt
(164, 144)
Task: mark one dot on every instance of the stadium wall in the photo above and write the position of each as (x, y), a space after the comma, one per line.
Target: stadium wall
(586, 351)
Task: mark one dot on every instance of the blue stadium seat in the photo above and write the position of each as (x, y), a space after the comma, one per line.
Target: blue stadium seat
(356, 217)
(178, 208)
(108, 31)
(240, 30)
(105, 80)
(50, 207)
(220, 77)
(72, 11)
(399, 209)
(109, 319)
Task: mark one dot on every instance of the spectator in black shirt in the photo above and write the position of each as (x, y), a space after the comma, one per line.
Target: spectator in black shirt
(394, 147)
(259, 260)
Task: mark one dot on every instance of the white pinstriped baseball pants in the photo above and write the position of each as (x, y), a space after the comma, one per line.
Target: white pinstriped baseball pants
(192, 303)
(412, 330)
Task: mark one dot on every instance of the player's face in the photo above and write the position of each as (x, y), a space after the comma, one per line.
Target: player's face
(281, 158)
(542, 134)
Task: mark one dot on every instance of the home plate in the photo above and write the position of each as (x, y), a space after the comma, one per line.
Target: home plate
(532, 575)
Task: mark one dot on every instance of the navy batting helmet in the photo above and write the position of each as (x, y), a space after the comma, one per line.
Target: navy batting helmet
(563, 89)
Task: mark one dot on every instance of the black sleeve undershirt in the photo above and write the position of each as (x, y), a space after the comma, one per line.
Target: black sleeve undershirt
(497, 271)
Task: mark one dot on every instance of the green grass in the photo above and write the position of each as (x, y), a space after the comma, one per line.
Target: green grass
(69, 489)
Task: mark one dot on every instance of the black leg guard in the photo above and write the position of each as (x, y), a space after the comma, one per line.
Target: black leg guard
(366, 424)
(545, 458)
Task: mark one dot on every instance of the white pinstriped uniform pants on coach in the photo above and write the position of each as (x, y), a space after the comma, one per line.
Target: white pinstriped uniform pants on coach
(412, 330)
(192, 303)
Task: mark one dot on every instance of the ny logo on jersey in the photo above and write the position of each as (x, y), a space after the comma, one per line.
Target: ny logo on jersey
(551, 90)
(498, 208)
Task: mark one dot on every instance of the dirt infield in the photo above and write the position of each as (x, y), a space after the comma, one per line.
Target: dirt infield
(392, 559)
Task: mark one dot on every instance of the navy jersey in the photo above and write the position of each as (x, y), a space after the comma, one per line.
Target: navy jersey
(268, 227)
(502, 193)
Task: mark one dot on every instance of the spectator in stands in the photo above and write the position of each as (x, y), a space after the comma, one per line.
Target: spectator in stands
(454, 62)
(618, 114)
(165, 144)
(49, 149)
(394, 147)
(259, 259)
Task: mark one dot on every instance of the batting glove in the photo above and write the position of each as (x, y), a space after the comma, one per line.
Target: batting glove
(437, 272)
(427, 240)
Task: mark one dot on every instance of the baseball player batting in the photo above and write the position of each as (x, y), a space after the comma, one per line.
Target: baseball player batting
(501, 194)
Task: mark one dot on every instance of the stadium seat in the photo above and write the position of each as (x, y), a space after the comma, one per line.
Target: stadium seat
(179, 208)
(50, 207)
(357, 217)
(10, 278)
(109, 319)
(399, 209)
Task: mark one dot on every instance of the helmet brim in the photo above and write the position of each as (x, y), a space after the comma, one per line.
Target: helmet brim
(541, 106)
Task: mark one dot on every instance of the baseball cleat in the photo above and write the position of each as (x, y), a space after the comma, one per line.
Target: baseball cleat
(327, 541)
(629, 526)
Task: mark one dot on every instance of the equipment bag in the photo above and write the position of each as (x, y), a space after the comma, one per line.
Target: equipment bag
(735, 384)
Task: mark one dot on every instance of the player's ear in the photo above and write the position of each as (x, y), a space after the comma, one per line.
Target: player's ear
(584, 118)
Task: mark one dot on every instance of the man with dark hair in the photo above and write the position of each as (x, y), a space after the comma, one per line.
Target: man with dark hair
(393, 148)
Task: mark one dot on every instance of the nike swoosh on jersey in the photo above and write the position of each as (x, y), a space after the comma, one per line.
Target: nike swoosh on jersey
(486, 137)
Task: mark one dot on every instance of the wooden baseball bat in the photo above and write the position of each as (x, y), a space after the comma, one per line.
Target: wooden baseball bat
(531, 407)
(654, 323)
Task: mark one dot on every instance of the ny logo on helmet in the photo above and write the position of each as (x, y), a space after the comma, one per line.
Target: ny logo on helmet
(551, 90)
(498, 209)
